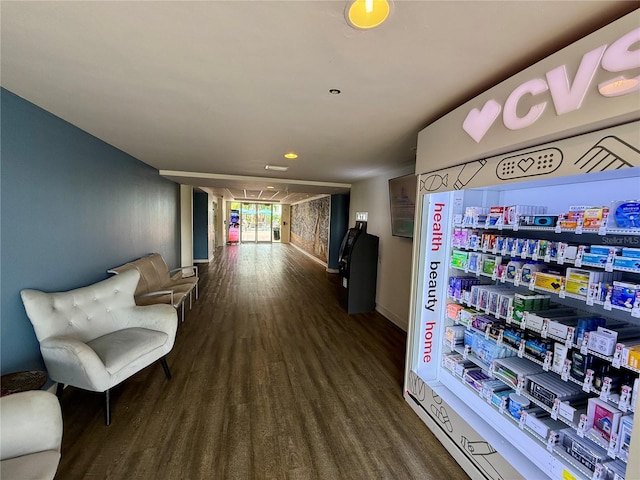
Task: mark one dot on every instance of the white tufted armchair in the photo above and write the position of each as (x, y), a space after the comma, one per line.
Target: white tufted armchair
(95, 337)
(30, 436)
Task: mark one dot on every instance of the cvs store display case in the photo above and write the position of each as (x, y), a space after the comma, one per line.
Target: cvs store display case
(523, 349)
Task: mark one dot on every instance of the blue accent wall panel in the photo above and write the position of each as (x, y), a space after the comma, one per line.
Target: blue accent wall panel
(338, 227)
(72, 207)
(200, 226)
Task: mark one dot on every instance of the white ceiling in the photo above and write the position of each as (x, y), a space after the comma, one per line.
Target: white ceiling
(209, 92)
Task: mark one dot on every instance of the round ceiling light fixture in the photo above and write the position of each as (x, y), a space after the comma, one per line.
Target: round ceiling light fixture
(367, 14)
(291, 155)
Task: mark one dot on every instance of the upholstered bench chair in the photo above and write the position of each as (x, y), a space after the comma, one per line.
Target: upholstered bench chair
(96, 336)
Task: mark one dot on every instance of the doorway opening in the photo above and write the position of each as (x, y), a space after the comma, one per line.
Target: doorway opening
(258, 222)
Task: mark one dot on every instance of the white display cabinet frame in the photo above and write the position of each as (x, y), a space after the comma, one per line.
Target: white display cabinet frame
(431, 390)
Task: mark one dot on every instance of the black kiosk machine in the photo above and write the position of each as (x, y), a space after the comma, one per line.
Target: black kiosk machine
(358, 266)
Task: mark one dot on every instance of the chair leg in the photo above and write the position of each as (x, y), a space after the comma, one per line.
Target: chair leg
(107, 408)
(59, 389)
(165, 367)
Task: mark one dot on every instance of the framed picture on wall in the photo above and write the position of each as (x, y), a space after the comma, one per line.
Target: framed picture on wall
(402, 201)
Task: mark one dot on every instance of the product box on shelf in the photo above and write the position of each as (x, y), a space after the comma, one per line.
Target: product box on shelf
(537, 347)
(571, 411)
(571, 219)
(459, 284)
(626, 214)
(593, 217)
(560, 351)
(450, 360)
(510, 368)
(603, 340)
(603, 419)
(595, 259)
(454, 335)
(631, 356)
(474, 378)
(499, 395)
(624, 436)
(459, 259)
(487, 350)
(551, 282)
(628, 263)
(614, 470)
(624, 294)
(585, 452)
(630, 252)
(467, 315)
(541, 422)
(577, 280)
(513, 212)
(546, 387)
(580, 363)
(453, 310)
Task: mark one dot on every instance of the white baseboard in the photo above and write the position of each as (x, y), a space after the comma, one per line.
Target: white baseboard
(398, 321)
(332, 270)
(309, 255)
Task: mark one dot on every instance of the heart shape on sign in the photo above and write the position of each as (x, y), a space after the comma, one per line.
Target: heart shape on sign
(526, 164)
(478, 122)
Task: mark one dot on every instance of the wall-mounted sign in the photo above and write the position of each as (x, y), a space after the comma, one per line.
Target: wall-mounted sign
(567, 94)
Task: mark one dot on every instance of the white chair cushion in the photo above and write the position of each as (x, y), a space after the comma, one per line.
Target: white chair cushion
(36, 466)
(122, 348)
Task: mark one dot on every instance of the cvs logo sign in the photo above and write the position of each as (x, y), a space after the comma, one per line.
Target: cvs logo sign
(566, 96)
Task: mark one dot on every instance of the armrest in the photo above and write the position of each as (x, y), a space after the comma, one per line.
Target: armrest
(159, 317)
(157, 293)
(71, 361)
(192, 268)
(31, 422)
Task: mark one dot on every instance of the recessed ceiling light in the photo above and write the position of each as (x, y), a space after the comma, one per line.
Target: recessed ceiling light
(291, 155)
(334, 91)
(366, 14)
(278, 168)
(269, 187)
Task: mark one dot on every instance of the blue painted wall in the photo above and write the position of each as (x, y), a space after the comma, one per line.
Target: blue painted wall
(339, 224)
(72, 206)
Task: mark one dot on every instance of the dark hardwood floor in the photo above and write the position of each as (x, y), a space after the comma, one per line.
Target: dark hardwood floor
(271, 380)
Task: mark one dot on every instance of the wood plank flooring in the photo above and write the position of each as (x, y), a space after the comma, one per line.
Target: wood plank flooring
(271, 380)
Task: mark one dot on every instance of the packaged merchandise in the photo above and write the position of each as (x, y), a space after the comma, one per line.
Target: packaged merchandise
(551, 282)
(624, 436)
(541, 423)
(454, 335)
(509, 369)
(487, 350)
(517, 404)
(602, 419)
(585, 452)
(624, 294)
(453, 310)
(626, 214)
(627, 263)
(593, 217)
(497, 396)
(459, 259)
(546, 387)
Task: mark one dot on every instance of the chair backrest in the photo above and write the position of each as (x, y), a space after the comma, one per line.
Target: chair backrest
(84, 313)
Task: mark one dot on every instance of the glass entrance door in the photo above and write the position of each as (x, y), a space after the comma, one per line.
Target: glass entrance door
(263, 223)
(257, 219)
(248, 228)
